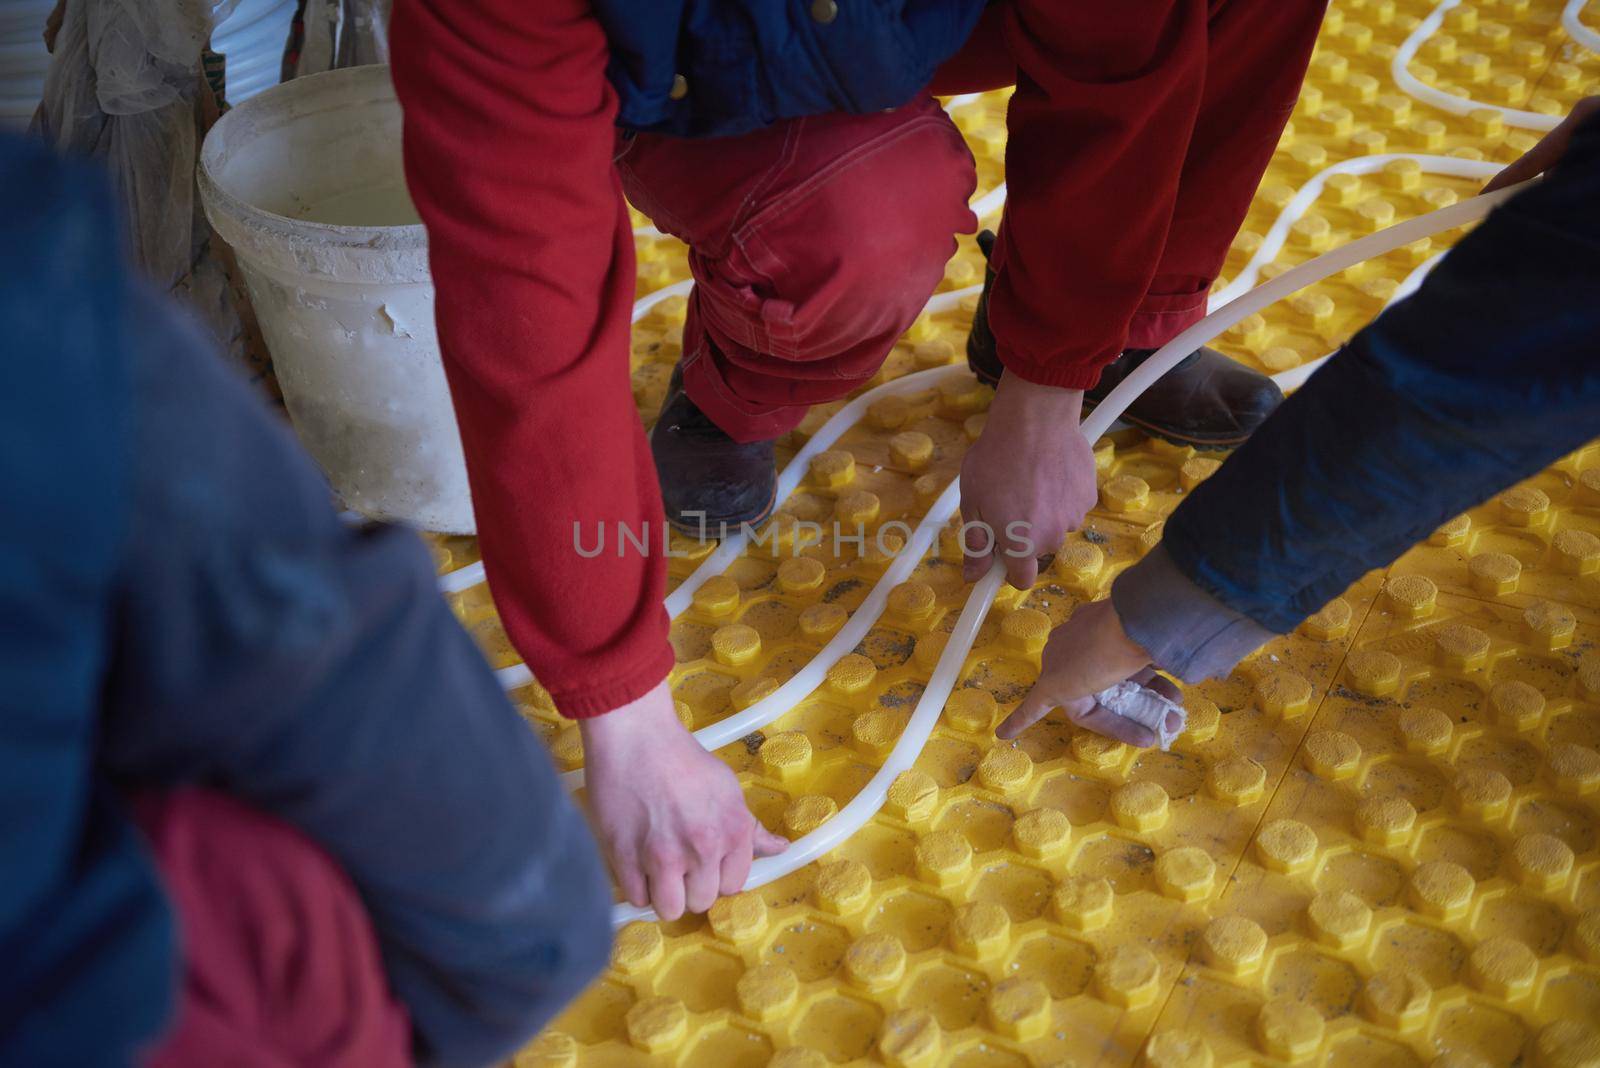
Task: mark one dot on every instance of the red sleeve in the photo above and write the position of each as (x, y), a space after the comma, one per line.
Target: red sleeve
(508, 149)
(1098, 128)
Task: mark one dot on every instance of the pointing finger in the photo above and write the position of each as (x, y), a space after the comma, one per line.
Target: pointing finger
(1030, 710)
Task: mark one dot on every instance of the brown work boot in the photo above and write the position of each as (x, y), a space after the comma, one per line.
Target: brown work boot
(1207, 400)
(707, 479)
(983, 359)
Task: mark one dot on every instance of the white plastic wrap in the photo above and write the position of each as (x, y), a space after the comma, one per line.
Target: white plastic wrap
(1146, 707)
(122, 87)
(344, 33)
(23, 59)
(126, 86)
(252, 35)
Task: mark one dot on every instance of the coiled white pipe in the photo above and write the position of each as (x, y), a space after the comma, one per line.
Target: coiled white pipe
(789, 478)
(461, 578)
(990, 202)
(1461, 105)
(1273, 240)
(908, 747)
(801, 684)
(1576, 29)
(1295, 377)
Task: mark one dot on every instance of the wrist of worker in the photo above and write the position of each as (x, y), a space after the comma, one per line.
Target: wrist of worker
(646, 713)
(1186, 631)
(641, 722)
(1024, 407)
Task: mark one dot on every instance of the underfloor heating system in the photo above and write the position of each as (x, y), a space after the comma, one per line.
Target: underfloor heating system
(1375, 844)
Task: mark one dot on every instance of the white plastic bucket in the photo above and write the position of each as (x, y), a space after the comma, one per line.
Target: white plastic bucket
(304, 181)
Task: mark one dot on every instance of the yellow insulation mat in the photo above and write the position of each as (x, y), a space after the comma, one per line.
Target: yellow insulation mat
(1376, 843)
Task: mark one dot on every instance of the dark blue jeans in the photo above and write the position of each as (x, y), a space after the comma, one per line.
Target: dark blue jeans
(180, 604)
(1487, 374)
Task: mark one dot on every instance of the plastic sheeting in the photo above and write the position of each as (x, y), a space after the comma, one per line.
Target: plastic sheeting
(124, 87)
(23, 59)
(344, 33)
(252, 35)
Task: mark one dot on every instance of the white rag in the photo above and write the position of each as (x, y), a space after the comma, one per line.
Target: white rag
(1132, 700)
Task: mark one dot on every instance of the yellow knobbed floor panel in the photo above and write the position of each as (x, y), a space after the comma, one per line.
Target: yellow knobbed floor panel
(1376, 844)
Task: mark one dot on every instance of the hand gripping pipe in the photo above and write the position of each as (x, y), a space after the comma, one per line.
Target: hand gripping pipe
(870, 798)
(789, 478)
(866, 615)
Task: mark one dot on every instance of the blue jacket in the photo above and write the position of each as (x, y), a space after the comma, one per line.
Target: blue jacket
(748, 63)
(179, 603)
(1484, 376)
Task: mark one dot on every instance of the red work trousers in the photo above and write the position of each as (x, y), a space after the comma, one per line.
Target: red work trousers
(815, 242)
(280, 964)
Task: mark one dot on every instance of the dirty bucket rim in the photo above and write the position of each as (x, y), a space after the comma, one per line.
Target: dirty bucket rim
(218, 199)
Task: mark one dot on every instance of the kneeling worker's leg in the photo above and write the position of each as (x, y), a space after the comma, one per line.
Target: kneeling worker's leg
(280, 963)
(814, 244)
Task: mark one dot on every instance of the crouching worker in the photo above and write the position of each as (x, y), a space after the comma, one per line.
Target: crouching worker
(1483, 377)
(261, 801)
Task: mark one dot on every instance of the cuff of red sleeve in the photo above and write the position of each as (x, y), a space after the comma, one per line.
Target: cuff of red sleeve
(1186, 631)
(587, 700)
(1077, 374)
(1162, 318)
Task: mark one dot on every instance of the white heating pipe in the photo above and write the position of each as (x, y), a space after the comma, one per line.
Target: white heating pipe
(1295, 377)
(908, 747)
(1575, 28)
(1460, 105)
(801, 684)
(1273, 240)
(795, 470)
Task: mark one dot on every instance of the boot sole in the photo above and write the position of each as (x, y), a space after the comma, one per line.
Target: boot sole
(1175, 437)
(694, 529)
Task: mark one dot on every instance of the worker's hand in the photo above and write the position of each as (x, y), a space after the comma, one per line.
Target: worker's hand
(670, 816)
(1551, 147)
(1086, 654)
(1027, 481)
